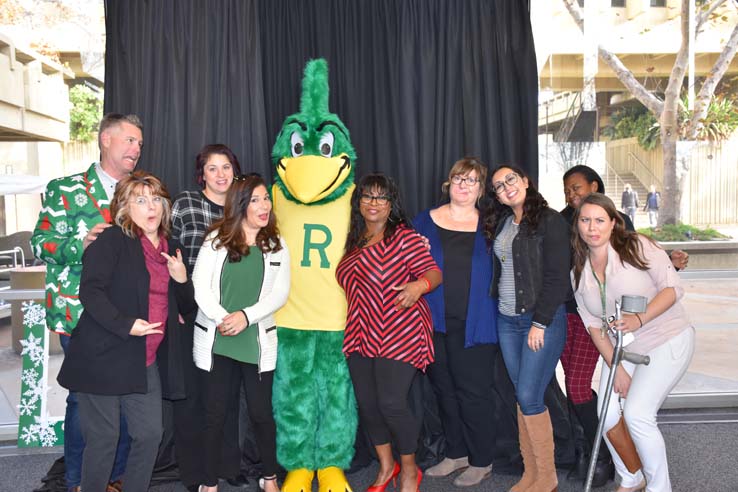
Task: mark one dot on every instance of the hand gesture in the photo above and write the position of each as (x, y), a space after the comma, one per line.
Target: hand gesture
(628, 324)
(176, 267)
(679, 259)
(233, 324)
(409, 294)
(93, 233)
(141, 328)
(535, 338)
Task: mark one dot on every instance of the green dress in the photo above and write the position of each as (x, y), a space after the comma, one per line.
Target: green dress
(240, 287)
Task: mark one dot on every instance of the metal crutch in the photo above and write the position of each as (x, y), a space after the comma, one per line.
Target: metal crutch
(633, 304)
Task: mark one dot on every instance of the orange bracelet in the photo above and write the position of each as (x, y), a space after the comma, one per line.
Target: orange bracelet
(427, 284)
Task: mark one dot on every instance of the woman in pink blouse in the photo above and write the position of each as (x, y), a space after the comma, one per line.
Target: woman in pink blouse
(610, 262)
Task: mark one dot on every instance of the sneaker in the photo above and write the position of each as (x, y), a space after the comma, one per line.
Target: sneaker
(473, 476)
(447, 467)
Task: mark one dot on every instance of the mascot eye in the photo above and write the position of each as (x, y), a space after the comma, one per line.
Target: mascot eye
(297, 144)
(326, 145)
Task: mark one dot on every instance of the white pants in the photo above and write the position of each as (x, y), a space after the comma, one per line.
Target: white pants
(649, 388)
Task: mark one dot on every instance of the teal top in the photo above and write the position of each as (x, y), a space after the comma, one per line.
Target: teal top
(240, 287)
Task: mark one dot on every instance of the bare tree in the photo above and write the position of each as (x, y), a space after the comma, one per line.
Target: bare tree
(666, 110)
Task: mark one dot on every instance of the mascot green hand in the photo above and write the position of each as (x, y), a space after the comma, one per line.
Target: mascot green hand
(314, 404)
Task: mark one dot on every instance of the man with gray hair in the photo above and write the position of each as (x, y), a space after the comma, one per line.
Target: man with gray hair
(75, 210)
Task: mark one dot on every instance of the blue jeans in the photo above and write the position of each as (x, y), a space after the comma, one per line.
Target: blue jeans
(74, 443)
(531, 371)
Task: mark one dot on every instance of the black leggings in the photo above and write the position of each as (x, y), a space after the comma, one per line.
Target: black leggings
(381, 387)
(225, 374)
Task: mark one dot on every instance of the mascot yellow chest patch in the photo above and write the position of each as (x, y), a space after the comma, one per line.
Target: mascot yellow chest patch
(316, 236)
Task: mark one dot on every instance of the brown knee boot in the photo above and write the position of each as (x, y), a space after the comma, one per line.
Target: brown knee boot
(529, 463)
(540, 434)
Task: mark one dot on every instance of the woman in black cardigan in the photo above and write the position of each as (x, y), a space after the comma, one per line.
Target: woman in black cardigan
(123, 353)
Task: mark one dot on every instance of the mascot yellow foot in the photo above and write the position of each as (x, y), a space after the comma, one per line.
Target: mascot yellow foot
(300, 480)
(332, 479)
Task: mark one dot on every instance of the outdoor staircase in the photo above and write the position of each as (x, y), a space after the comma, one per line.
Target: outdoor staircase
(614, 186)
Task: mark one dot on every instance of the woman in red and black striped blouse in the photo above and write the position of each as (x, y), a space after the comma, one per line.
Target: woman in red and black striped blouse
(389, 333)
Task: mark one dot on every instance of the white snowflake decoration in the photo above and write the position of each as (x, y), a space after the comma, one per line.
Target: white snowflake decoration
(47, 436)
(60, 302)
(33, 348)
(80, 199)
(33, 313)
(42, 431)
(28, 434)
(62, 227)
(35, 391)
(29, 376)
(27, 407)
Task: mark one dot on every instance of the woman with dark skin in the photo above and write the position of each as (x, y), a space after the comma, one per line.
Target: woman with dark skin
(384, 272)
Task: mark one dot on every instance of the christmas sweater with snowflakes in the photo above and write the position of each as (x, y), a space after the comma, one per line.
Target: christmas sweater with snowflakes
(71, 207)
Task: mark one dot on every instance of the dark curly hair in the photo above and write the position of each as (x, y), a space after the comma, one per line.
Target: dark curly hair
(397, 215)
(496, 211)
(230, 234)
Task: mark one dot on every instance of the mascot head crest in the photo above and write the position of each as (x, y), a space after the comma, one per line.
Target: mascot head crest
(313, 153)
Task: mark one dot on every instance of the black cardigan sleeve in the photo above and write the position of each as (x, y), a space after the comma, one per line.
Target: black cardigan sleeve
(556, 265)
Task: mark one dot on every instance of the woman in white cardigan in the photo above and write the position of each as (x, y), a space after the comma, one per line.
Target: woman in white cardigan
(241, 277)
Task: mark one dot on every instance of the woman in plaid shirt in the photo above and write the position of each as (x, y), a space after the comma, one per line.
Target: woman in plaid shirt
(192, 213)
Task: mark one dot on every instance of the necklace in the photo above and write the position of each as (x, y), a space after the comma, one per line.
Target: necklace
(507, 240)
(603, 298)
(364, 241)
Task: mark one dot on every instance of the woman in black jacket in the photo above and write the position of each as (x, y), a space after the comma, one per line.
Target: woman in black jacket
(134, 286)
(530, 283)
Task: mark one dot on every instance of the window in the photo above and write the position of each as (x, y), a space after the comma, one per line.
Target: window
(658, 3)
(617, 3)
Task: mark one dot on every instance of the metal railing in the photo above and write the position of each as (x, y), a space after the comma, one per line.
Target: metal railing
(637, 171)
(570, 120)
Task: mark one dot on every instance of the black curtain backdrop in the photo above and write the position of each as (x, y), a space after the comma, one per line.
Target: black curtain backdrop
(419, 83)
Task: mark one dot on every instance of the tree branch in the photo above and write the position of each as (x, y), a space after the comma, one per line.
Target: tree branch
(649, 100)
(704, 16)
(702, 101)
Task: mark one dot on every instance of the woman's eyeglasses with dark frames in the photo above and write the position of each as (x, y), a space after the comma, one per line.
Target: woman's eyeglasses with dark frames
(457, 179)
(509, 180)
(379, 199)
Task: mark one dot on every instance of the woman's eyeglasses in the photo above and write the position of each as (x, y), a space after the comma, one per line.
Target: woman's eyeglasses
(457, 179)
(379, 199)
(510, 180)
(143, 201)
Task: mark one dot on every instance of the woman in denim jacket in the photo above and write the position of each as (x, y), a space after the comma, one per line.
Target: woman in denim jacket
(531, 284)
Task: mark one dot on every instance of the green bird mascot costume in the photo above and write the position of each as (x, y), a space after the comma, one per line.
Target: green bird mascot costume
(314, 403)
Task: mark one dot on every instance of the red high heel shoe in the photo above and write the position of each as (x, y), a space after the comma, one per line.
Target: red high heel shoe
(420, 479)
(392, 478)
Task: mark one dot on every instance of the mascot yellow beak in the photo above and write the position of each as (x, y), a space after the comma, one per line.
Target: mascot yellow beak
(310, 178)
